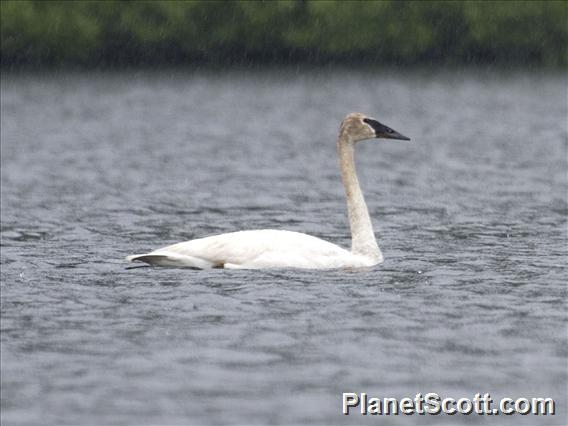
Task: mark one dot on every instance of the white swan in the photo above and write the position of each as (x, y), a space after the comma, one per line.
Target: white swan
(270, 248)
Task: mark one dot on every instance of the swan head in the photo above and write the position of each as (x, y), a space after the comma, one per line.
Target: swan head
(358, 127)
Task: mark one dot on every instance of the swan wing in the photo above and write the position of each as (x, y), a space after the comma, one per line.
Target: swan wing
(171, 259)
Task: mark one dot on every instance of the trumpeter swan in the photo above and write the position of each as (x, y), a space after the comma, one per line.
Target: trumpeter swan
(268, 248)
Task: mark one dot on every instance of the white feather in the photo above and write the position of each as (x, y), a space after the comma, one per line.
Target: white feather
(267, 248)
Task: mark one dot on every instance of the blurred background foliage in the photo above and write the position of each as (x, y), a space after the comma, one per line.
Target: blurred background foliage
(129, 33)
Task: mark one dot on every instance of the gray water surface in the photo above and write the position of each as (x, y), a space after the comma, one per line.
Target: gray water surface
(471, 216)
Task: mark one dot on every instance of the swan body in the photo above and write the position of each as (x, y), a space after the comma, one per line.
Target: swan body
(266, 248)
(269, 248)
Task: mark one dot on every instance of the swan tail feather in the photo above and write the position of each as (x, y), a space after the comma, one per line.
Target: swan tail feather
(172, 260)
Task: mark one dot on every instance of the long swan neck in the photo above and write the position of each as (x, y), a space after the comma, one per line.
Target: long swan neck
(363, 240)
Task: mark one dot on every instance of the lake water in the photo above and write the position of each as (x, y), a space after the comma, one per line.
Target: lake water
(471, 216)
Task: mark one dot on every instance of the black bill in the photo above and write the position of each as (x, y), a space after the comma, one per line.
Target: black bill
(385, 132)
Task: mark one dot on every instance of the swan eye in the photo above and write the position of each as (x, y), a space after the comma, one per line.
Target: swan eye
(372, 123)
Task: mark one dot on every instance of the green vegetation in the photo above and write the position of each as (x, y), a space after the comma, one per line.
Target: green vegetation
(118, 32)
